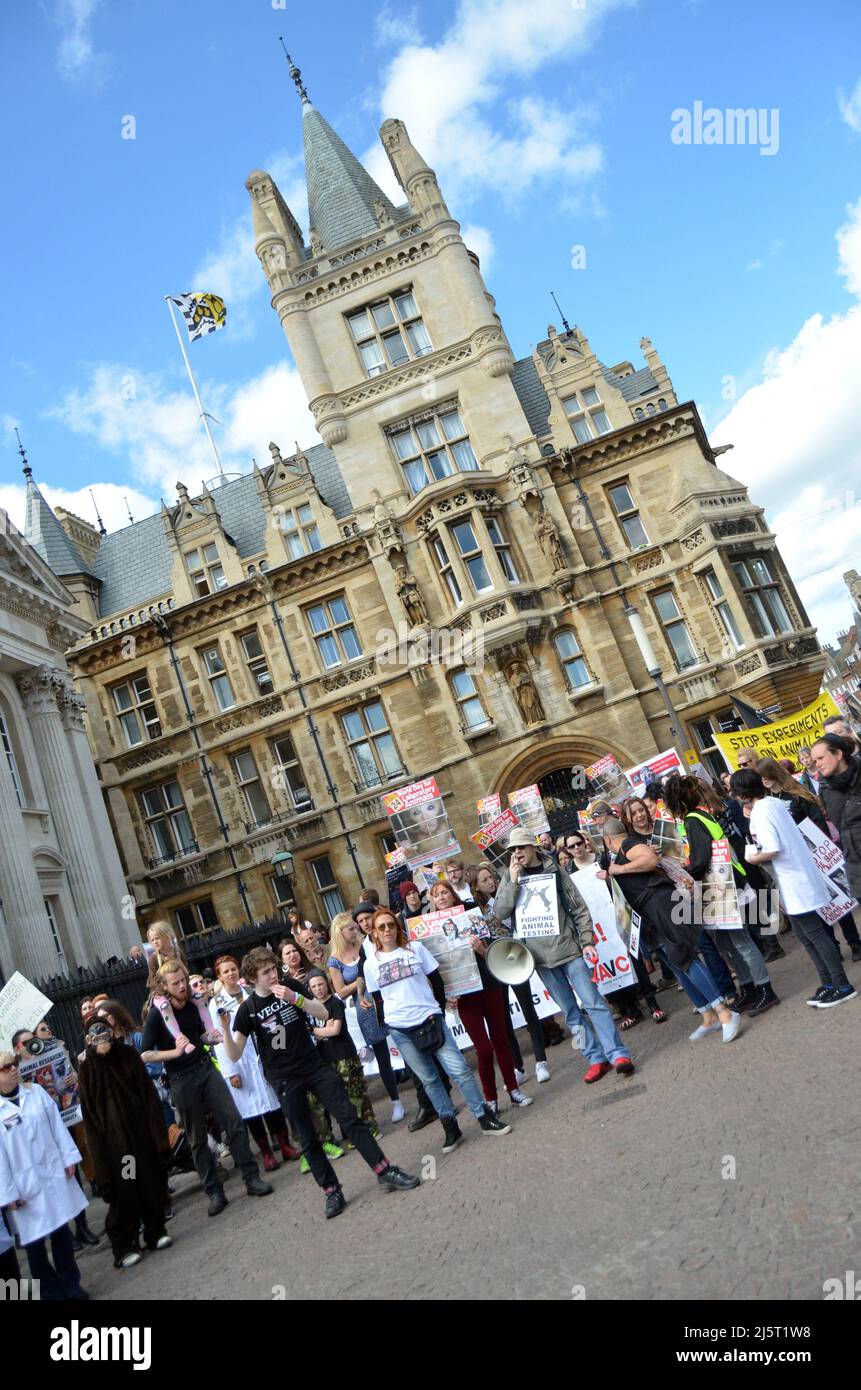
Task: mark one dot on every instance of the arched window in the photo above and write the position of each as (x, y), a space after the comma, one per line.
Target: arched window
(650, 409)
(639, 413)
(571, 659)
(662, 404)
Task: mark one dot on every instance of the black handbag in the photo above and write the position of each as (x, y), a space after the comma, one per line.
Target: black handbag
(428, 1036)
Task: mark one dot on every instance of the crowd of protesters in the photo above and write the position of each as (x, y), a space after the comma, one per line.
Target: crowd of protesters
(260, 1050)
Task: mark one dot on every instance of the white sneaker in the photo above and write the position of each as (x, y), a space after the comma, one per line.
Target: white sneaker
(163, 1242)
(730, 1030)
(492, 1106)
(223, 1151)
(133, 1258)
(397, 1112)
(542, 1071)
(703, 1030)
(518, 1098)
(519, 1076)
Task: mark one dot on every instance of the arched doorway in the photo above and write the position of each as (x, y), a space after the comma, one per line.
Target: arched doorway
(558, 767)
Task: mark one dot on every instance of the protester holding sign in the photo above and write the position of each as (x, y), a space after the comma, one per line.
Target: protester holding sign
(556, 926)
(779, 843)
(708, 831)
(839, 770)
(482, 1011)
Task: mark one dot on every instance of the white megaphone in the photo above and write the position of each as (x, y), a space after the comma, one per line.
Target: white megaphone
(509, 961)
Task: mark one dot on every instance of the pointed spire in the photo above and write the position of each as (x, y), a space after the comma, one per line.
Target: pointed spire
(27, 470)
(102, 531)
(295, 73)
(344, 202)
(44, 532)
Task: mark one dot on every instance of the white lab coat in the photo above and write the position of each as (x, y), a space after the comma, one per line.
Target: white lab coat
(255, 1096)
(35, 1150)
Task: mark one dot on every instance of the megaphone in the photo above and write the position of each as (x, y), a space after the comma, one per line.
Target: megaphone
(509, 961)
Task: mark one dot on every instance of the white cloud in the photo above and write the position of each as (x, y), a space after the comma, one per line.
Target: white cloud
(393, 27)
(78, 61)
(795, 435)
(110, 498)
(754, 265)
(479, 240)
(440, 91)
(159, 434)
(850, 107)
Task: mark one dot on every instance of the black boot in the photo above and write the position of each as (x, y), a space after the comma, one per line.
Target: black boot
(765, 999)
(745, 998)
(83, 1232)
(425, 1116)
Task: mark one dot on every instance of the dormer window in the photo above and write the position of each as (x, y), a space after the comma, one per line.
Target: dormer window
(299, 529)
(390, 333)
(586, 414)
(205, 570)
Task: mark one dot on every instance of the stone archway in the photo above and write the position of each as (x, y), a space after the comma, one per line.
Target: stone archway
(550, 764)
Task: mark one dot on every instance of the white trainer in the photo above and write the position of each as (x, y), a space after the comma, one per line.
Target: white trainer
(542, 1071)
(163, 1242)
(127, 1261)
(703, 1030)
(730, 1030)
(519, 1076)
(518, 1098)
(397, 1112)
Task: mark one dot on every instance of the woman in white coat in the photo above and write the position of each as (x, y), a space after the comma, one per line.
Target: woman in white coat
(37, 1182)
(254, 1098)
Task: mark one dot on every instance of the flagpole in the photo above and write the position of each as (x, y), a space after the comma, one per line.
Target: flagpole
(169, 302)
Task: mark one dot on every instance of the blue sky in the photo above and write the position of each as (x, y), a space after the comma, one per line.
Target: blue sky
(549, 124)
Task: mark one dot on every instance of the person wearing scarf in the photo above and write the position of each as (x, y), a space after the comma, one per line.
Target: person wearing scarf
(128, 1142)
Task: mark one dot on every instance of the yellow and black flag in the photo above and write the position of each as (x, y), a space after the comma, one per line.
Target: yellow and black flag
(203, 313)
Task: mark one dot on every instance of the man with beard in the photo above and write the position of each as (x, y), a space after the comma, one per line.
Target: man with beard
(196, 1087)
(128, 1142)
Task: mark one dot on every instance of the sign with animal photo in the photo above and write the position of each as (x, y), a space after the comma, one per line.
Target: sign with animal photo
(488, 807)
(53, 1071)
(492, 840)
(653, 769)
(420, 823)
(831, 864)
(537, 910)
(529, 809)
(607, 780)
(448, 936)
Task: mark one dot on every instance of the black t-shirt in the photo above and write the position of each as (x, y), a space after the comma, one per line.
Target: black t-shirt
(280, 1031)
(641, 889)
(341, 1047)
(157, 1037)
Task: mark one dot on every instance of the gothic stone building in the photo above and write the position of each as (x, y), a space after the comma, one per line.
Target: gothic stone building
(245, 695)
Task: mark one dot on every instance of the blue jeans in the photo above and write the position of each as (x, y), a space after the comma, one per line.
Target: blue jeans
(601, 1040)
(454, 1065)
(699, 984)
(715, 963)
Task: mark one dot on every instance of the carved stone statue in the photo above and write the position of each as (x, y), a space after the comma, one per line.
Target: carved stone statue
(531, 710)
(548, 538)
(381, 213)
(410, 596)
(316, 243)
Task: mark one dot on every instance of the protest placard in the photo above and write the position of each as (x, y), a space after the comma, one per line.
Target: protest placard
(613, 970)
(607, 780)
(488, 807)
(53, 1071)
(537, 910)
(492, 841)
(22, 1005)
(447, 935)
(653, 769)
(420, 823)
(831, 864)
(529, 809)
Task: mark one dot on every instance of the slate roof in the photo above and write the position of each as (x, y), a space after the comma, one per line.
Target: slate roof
(637, 384)
(47, 537)
(532, 396)
(341, 192)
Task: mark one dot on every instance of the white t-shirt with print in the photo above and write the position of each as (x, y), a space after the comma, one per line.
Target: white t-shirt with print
(802, 886)
(400, 976)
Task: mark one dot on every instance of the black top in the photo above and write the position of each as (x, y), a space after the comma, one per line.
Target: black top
(280, 1031)
(341, 1047)
(638, 888)
(157, 1037)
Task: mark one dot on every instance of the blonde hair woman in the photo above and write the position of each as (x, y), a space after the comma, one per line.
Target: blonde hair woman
(346, 965)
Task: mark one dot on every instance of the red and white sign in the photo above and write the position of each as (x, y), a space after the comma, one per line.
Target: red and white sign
(653, 769)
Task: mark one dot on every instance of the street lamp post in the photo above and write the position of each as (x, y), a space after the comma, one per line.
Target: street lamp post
(654, 669)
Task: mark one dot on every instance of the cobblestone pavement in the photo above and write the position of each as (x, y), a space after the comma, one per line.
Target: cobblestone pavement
(617, 1188)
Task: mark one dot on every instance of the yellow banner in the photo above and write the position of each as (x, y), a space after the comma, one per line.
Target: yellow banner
(783, 738)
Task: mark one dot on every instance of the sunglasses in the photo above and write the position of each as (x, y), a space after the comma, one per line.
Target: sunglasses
(9, 1066)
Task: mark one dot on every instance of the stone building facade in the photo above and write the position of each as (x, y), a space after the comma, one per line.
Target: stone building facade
(63, 897)
(259, 662)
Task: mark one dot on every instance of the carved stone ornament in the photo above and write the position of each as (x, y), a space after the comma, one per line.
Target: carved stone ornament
(410, 596)
(42, 689)
(386, 529)
(694, 540)
(548, 538)
(523, 689)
